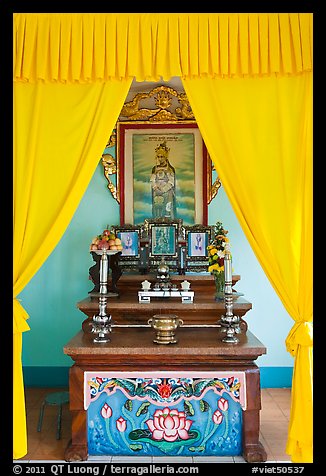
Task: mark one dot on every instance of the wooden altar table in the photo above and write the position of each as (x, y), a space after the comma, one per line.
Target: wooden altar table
(198, 353)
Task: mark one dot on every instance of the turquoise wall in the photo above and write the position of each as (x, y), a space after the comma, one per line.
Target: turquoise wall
(50, 297)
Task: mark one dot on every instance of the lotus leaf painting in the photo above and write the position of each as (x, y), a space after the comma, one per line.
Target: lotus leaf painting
(165, 416)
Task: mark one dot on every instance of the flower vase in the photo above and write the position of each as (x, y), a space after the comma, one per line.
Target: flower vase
(219, 285)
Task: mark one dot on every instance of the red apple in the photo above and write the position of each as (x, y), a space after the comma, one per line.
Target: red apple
(103, 245)
(106, 232)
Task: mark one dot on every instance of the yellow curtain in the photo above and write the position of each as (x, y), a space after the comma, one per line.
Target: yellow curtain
(93, 49)
(258, 132)
(150, 46)
(60, 131)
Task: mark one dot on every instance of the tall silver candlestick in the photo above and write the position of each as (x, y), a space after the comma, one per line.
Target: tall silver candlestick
(228, 267)
(229, 322)
(102, 322)
(104, 267)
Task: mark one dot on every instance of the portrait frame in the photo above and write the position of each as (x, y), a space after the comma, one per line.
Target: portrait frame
(133, 137)
(197, 259)
(197, 242)
(163, 238)
(130, 251)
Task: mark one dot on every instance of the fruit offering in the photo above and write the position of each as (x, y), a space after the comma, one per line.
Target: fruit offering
(107, 240)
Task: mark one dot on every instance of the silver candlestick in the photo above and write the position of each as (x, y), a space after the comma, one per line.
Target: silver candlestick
(229, 322)
(101, 324)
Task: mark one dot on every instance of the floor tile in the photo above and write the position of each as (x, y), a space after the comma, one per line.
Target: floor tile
(286, 413)
(266, 396)
(273, 414)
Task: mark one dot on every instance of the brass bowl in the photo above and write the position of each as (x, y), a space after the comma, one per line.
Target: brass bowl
(165, 326)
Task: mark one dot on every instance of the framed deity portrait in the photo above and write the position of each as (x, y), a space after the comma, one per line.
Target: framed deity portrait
(197, 239)
(162, 172)
(197, 243)
(130, 241)
(162, 240)
(155, 161)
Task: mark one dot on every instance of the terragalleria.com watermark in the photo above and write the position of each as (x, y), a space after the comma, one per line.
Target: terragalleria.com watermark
(59, 469)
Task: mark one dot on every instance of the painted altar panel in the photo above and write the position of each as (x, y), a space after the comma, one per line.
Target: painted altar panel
(164, 413)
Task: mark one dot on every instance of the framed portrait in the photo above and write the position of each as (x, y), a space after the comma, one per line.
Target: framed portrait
(197, 240)
(130, 241)
(197, 243)
(162, 172)
(162, 240)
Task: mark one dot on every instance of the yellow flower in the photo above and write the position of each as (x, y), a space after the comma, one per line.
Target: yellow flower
(213, 267)
(216, 250)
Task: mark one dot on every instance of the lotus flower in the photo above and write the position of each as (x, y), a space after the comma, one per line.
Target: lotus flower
(217, 417)
(223, 404)
(106, 411)
(121, 424)
(164, 390)
(169, 425)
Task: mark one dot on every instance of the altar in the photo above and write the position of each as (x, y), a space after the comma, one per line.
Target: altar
(131, 396)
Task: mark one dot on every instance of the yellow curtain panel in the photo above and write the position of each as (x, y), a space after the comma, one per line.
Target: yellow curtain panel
(259, 134)
(72, 73)
(148, 46)
(60, 132)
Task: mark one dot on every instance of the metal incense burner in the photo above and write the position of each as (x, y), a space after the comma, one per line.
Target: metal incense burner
(229, 323)
(165, 326)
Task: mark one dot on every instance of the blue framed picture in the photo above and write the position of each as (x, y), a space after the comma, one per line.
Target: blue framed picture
(129, 242)
(197, 244)
(163, 240)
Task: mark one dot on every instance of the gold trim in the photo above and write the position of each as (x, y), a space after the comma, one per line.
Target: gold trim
(111, 168)
(162, 111)
(212, 188)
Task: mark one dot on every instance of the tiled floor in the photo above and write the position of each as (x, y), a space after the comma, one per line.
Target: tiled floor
(43, 446)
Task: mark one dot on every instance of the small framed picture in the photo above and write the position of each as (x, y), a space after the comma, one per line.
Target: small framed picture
(130, 241)
(163, 240)
(197, 243)
(196, 253)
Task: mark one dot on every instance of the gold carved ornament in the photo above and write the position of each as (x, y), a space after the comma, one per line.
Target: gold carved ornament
(131, 111)
(110, 167)
(212, 188)
(163, 96)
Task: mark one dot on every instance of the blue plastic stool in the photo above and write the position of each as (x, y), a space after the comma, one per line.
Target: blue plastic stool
(57, 398)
